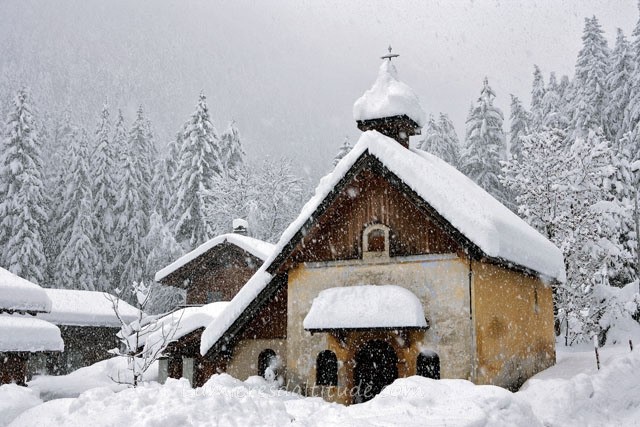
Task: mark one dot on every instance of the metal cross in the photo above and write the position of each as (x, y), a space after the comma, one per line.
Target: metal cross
(389, 55)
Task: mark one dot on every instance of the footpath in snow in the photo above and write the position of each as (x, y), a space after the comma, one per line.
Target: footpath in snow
(572, 393)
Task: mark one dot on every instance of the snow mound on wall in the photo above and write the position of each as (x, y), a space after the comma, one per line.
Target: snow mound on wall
(609, 396)
(19, 294)
(255, 247)
(365, 306)
(86, 308)
(111, 373)
(22, 333)
(14, 400)
(389, 97)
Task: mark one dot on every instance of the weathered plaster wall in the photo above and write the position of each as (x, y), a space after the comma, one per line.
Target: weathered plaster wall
(439, 281)
(244, 362)
(515, 336)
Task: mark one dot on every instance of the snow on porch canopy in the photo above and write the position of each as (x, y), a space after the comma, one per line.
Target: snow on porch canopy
(365, 307)
(28, 334)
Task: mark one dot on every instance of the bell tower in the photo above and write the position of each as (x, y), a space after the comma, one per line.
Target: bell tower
(390, 107)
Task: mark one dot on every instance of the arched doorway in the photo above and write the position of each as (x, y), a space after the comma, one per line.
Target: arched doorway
(266, 360)
(376, 367)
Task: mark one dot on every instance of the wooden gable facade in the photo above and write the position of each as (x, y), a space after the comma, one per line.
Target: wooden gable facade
(216, 275)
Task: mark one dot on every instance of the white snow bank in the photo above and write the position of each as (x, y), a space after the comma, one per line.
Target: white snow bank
(575, 393)
(365, 306)
(111, 373)
(26, 333)
(18, 294)
(255, 247)
(14, 400)
(181, 322)
(223, 400)
(389, 97)
(234, 309)
(86, 308)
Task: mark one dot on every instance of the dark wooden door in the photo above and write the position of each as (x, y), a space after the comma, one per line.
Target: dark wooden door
(376, 367)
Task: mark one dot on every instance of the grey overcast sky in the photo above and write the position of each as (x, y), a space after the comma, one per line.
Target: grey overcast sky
(288, 72)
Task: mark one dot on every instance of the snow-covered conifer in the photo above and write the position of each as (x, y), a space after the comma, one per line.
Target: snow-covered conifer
(231, 151)
(440, 139)
(105, 190)
(77, 262)
(590, 97)
(346, 146)
(537, 94)
(519, 125)
(200, 161)
(485, 144)
(22, 212)
(619, 88)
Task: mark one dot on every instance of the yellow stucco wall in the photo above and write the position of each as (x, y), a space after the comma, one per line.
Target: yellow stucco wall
(441, 284)
(244, 362)
(515, 336)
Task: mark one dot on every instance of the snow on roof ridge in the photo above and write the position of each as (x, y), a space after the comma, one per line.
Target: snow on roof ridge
(256, 247)
(547, 259)
(20, 294)
(77, 307)
(389, 97)
(365, 306)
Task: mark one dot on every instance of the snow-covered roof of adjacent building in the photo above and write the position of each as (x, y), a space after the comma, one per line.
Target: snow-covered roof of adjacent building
(181, 322)
(18, 294)
(485, 222)
(74, 307)
(389, 97)
(365, 306)
(29, 334)
(255, 247)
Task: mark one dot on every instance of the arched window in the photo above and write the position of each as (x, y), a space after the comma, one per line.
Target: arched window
(375, 241)
(428, 365)
(266, 359)
(327, 368)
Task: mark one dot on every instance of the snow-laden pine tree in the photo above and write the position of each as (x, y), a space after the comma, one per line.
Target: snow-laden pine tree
(231, 151)
(552, 110)
(485, 144)
(269, 195)
(537, 95)
(164, 183)
(440, 139)
(619, 88)
(105, 192)
(132, 209)
(590, 81)
(23, 215)
(162, 250)
(200, 162)
(519, 126)
(78, 261)
(632, 112)
(561, 191)
(344, 149)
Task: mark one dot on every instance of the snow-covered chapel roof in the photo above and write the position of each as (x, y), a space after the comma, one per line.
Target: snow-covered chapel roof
(255, 247)
(389, 97)
(485, 222)
(18, 294)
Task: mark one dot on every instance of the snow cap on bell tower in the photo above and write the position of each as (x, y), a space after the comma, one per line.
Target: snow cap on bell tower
(391, 107)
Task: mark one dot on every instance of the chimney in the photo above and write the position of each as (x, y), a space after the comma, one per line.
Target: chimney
(240, 226)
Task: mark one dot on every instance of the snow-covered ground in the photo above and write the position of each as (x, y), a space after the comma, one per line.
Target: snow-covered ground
(572, 393)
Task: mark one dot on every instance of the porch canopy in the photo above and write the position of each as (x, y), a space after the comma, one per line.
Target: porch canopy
(365, 307)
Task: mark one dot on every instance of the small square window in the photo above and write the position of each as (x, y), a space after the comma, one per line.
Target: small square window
(214, 296)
